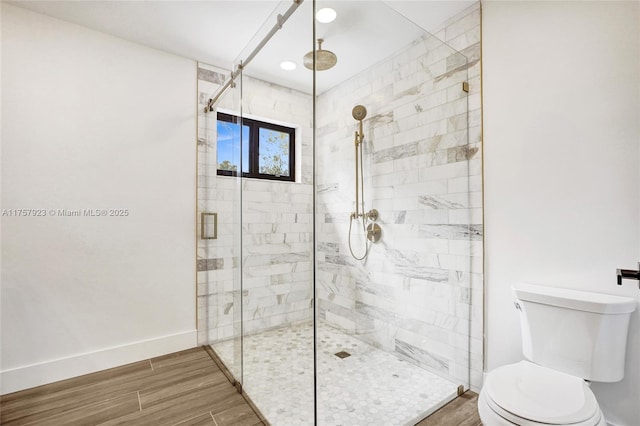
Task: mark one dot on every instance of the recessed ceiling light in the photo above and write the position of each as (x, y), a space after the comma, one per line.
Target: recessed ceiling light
(326, 15)
(288, 65)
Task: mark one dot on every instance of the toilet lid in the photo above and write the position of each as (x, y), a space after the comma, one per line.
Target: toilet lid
(540, 394)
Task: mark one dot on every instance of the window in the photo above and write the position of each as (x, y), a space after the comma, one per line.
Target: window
(267, 149)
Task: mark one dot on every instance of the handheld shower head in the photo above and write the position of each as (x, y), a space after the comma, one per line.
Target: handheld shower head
(359, 112)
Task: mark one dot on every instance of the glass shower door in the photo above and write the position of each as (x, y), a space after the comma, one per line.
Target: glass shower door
(277, 224)
(218, 221)
(393, 315)
(319, 323)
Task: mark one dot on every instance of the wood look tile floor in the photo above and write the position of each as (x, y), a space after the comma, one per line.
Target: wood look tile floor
(462, 411)
(185, 388)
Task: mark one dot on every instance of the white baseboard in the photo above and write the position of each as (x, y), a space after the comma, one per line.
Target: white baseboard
(64, 368)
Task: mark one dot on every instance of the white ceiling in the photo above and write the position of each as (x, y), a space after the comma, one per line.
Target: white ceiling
(220, 31)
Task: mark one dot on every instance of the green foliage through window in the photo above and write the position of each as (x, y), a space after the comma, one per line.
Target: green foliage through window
(274, 152)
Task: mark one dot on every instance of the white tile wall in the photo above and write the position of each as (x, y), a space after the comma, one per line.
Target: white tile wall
(276, 220)
(419, 293)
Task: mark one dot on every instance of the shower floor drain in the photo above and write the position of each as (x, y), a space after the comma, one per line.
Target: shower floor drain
(342, 354)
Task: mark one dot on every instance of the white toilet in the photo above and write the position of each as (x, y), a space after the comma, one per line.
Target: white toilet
(568, 337)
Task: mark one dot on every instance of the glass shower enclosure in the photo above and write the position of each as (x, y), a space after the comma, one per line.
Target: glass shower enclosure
(321, 311)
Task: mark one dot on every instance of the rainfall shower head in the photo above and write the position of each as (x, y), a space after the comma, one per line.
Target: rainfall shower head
(359, 112)
(325, 59)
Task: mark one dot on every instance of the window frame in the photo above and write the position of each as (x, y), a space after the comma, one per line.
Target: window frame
(254, 147)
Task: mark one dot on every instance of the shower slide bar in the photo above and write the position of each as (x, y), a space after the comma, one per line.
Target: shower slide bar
(372, 231)
(229, 81)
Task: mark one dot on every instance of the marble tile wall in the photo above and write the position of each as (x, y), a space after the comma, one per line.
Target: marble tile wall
(276, 220)
(419, 292)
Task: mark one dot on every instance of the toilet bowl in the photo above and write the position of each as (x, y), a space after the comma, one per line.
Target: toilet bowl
(527, 394)
(568, 337)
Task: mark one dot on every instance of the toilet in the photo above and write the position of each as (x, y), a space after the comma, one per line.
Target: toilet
(569, 338)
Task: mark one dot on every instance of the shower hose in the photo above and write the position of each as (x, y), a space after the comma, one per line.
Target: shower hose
(355, 215)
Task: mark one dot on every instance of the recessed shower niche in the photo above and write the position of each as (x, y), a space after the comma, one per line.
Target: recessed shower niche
(371, 247)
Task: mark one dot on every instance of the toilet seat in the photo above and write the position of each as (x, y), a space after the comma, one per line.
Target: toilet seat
(528, 394)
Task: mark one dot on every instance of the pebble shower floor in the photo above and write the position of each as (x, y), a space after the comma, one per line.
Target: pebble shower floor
(369, 387)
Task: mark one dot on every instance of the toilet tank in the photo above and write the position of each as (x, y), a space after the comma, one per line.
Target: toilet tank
(577, 332)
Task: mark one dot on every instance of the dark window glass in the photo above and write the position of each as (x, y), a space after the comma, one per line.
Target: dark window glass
(229, 148)
(267, 149)
(273, 146)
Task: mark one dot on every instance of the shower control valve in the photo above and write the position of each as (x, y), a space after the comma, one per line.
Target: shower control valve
(374, 232)
(372, 215)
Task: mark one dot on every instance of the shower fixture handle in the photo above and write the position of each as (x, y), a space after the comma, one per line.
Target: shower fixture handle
(374, 232)
(371, 215)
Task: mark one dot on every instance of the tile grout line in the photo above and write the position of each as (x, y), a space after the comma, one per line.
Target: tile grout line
(191, 418)
(77, 409)
(139, 401)
(214, 419)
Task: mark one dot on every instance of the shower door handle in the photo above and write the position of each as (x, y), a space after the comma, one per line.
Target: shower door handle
(203, 226)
